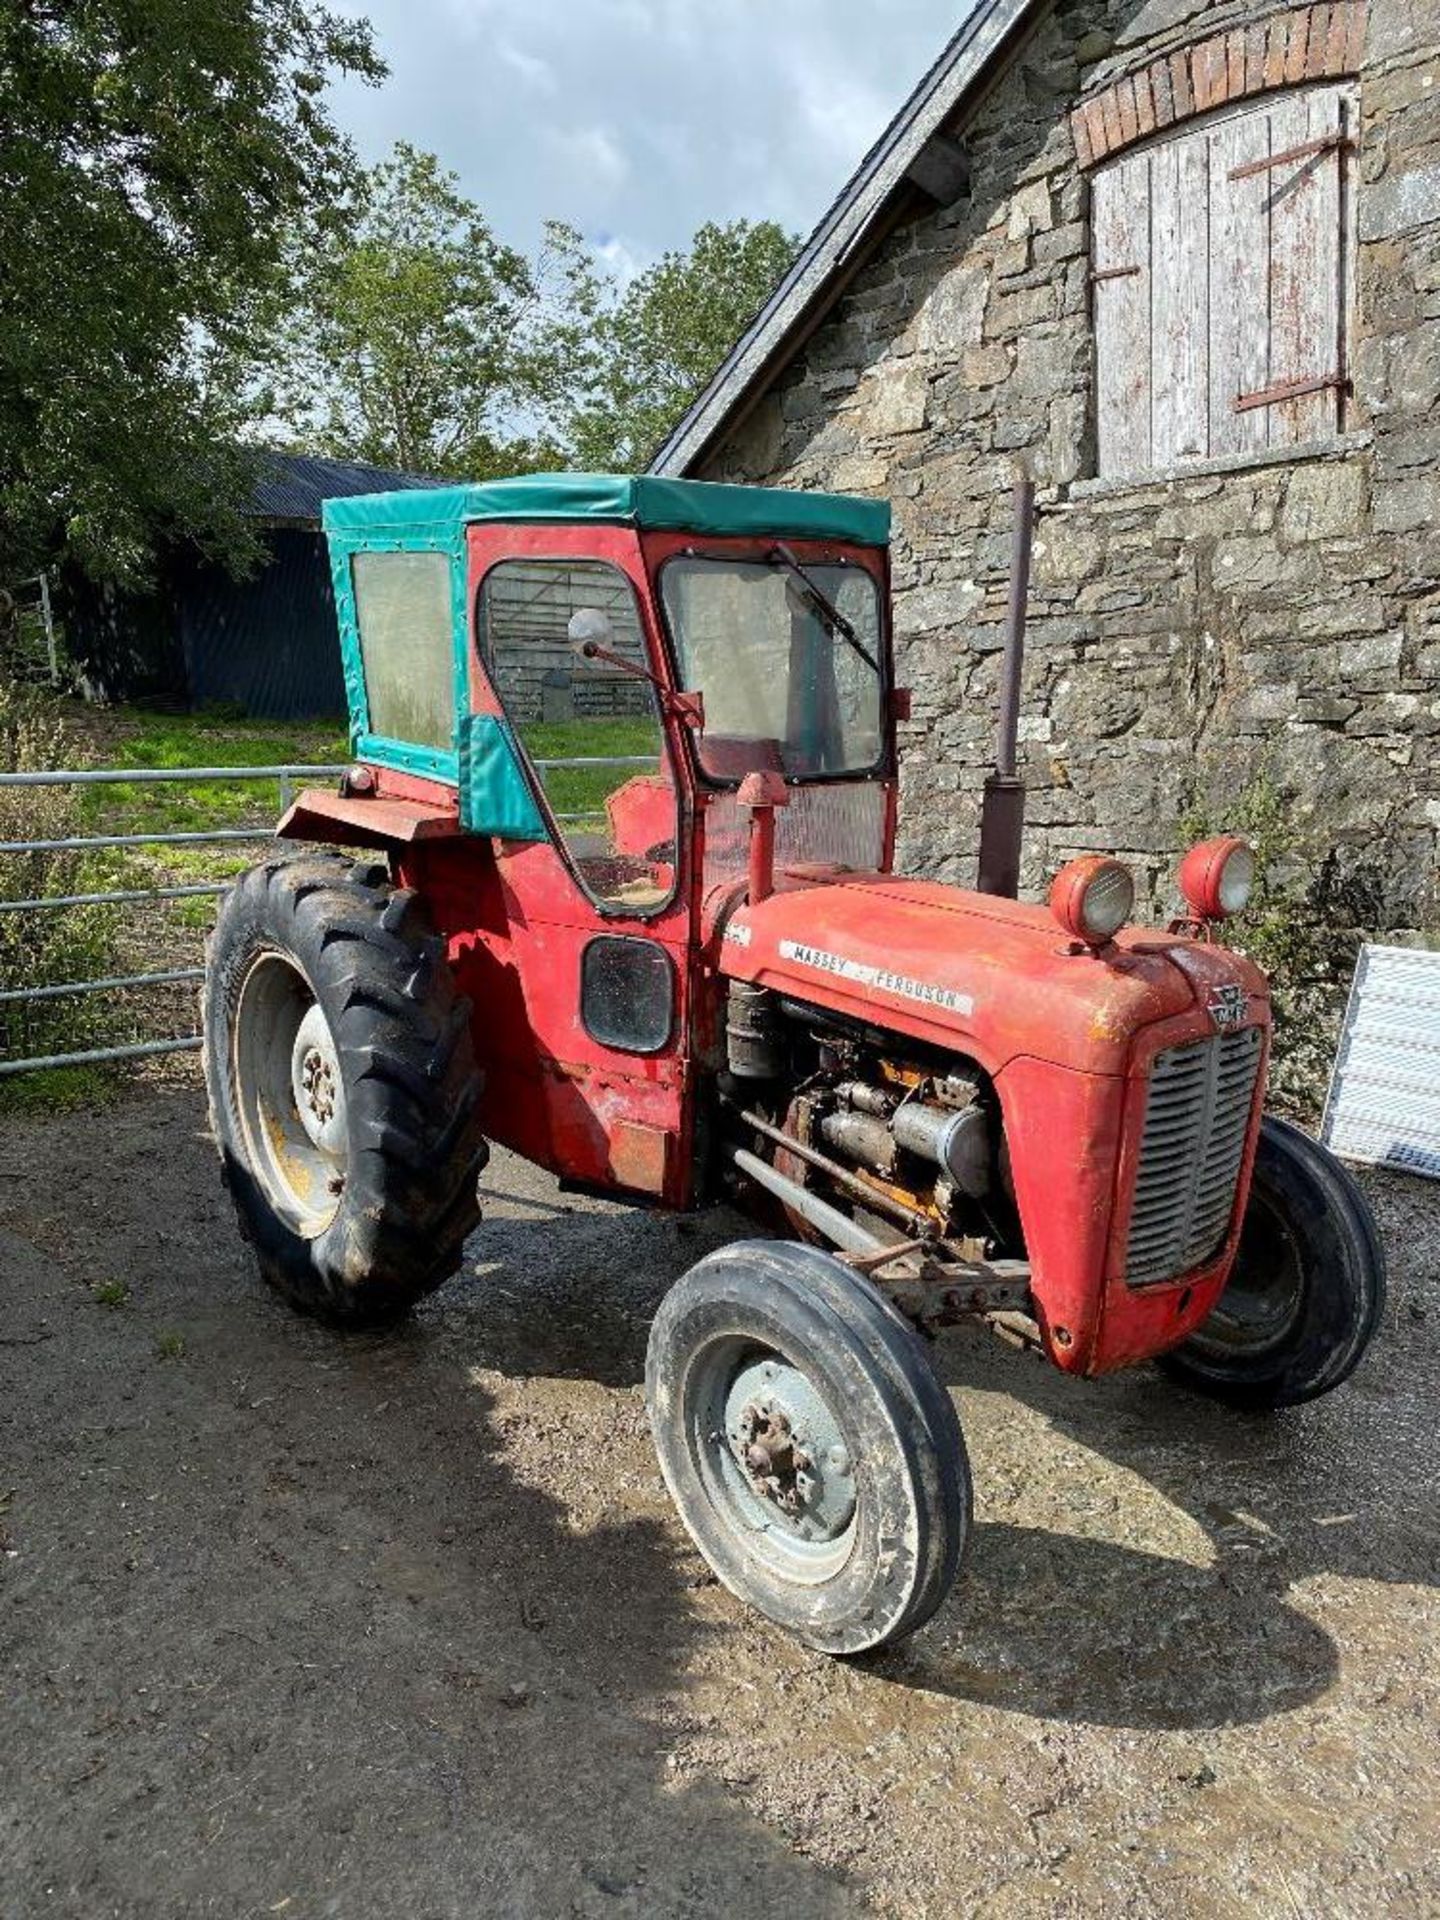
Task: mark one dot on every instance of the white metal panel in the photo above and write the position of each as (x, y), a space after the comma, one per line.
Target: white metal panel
(1384, 1102)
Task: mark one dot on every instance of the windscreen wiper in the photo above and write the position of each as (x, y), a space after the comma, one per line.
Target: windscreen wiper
(825, 606)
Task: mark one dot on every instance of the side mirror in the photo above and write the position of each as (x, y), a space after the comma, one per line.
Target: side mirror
(495, 793)
(591, 634)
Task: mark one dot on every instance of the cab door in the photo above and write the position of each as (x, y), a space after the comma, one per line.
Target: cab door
(581, 966)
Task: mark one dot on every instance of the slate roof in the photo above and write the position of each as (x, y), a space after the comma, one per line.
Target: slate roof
(293, 486)
(824, 263)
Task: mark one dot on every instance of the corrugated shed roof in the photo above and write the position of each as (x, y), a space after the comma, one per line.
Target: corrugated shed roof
(820, 269)
(293, 486)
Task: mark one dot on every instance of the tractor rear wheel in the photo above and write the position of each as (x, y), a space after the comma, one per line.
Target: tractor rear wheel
(343, 1088)
(813, 1454)
(1305, 1295)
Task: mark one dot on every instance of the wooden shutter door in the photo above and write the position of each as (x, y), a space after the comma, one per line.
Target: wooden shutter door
(1307, 262)
(1240, 282)
(1180, 275)
(1222, 276)
(1120, 217)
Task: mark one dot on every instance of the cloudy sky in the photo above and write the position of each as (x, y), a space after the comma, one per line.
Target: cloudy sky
(636, 120)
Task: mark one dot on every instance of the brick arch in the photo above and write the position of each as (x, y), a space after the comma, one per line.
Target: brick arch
(1319, 42)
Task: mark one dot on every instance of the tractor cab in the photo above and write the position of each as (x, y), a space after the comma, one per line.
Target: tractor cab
(568, 695)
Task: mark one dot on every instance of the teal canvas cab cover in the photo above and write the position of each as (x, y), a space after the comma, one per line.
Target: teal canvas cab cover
(434, 516)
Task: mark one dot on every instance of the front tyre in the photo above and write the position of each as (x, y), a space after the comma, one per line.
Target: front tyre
(812, 1453)
(342, 1085)
(1306, 1292)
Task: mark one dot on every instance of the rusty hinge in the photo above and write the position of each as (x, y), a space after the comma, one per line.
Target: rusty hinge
(1328, 143)
(1112, 273)
(1289, 390)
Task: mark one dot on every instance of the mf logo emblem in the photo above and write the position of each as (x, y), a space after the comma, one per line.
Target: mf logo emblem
(1227, 1006)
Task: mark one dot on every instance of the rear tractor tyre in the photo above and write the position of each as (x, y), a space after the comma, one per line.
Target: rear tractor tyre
(342, 1083)
(1307, 1289)
(813, 1454)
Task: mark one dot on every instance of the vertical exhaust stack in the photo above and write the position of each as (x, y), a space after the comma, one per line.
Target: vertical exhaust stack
(1002, 817)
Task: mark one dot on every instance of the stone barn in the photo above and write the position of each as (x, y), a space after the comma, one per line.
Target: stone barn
(1183, 259)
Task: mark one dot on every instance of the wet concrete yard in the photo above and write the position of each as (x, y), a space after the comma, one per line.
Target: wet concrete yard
(297, 1625)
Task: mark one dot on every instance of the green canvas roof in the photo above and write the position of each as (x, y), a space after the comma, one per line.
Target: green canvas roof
(642, 500)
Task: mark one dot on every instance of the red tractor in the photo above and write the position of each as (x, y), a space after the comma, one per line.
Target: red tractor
(625, 750)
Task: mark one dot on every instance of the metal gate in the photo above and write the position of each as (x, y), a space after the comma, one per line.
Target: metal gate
(91, 848)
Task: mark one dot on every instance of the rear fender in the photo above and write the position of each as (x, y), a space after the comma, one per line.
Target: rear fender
(367, 820)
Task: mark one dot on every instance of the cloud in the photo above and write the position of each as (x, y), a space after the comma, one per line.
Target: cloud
(537, 74)
(836, 108)
(594, 154)
(620, 260)
(642, 118)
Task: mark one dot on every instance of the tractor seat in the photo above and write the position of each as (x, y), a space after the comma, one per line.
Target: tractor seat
(730, 756)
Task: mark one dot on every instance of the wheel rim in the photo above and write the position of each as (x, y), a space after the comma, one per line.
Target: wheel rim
(776, 1463)
(290, 1094)
(1263, 1295)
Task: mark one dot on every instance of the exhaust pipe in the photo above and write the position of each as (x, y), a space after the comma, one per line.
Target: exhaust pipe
(1002, 815)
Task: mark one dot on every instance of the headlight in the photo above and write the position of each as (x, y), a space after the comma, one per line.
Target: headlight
(1092, 898)
(1217, 877)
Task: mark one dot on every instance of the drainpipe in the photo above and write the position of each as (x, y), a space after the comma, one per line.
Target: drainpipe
(1002, 815)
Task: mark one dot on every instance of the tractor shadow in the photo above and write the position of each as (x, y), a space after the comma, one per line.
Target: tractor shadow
(1150, 1581)
(340, 1621)
(1073, 1621)
(567, 1289)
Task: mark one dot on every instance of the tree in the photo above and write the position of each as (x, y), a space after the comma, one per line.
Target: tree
(418, 340)
(156, 155)
(660, 342)
(410, 344)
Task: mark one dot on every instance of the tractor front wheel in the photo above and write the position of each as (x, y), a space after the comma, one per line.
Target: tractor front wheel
(343, 1089)
(1305, 1295)
(813, 1454)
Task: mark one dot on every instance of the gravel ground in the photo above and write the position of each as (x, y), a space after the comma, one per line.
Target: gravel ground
(298, 1625)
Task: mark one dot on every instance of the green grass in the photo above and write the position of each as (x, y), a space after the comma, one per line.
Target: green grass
(135, 737)
(141, 739)
(584, 790)
(57, 1090)
(123, 940)
(168, 935)
(111, 1293)
(157, 740)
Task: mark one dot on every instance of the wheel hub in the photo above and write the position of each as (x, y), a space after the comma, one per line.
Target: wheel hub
(316, 1082)
(789, 1448)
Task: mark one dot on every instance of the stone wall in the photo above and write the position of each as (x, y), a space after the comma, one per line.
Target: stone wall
(1267, 618)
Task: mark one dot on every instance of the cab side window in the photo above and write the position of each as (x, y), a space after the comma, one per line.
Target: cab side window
(402, 610)
(616, 812)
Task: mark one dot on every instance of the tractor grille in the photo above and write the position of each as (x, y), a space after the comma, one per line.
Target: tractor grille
(1196, 1118)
